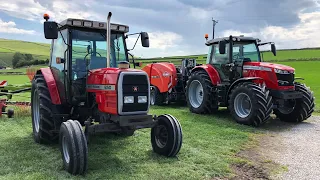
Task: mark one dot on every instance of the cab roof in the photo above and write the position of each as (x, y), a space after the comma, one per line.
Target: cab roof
(84, 23)
(235, 38)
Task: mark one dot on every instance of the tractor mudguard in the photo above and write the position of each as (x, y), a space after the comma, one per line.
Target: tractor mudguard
(51, 83)
(211, 71)
(242, 80)
(162, 75)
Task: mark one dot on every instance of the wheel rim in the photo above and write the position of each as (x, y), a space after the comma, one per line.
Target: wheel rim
(65, 149)
(242, 105)
(195, 94)
(36, 110)
(288, 107)
(161, 137)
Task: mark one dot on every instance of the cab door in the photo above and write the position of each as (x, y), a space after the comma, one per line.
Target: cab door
(59, 69)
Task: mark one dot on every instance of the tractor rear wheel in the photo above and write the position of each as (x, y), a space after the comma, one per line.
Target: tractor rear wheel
(73, 147)
(41, 111)
(250, 104)
(166, 136)
(297, 110)
(200, 96)
(156, 97)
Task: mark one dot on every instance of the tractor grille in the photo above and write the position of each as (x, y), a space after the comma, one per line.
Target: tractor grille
(285, 79)
(135, 85)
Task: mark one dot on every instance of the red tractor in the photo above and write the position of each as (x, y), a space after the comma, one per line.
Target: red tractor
(84, 86)
(235, 77)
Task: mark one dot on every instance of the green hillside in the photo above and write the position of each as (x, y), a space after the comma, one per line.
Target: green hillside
(282, 55)
(40, 51)
(8, 47)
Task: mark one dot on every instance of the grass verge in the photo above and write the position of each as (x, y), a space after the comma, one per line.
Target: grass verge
(209, 146)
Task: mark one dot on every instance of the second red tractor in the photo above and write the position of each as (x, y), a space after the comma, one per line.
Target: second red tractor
(235, 77)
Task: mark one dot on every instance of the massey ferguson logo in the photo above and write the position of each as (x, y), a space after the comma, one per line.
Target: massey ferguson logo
(135, 88)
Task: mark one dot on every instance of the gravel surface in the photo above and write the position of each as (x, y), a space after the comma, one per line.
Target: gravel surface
(297, 147)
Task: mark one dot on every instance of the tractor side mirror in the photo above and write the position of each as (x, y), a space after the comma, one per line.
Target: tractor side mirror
(50, 30)
(273, 49)
(222, 47)
(144, 39)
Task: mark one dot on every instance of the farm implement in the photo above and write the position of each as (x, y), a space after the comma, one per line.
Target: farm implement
(235, 77)
(4, 102)
(89, 83)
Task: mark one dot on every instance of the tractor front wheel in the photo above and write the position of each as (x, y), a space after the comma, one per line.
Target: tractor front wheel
(166, 136)
(297, 110)
(73, 147)
(250, 104)
(200, 96)
(41, 111)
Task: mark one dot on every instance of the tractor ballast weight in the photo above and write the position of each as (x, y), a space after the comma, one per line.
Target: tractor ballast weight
(91, 85)
(235, 77)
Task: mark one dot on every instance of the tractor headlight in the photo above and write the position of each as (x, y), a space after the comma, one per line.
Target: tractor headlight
(128, 99)
(142, 99)
(279, 71)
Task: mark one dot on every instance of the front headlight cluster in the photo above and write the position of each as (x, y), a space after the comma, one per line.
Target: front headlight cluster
(279, 71)
(130, 99)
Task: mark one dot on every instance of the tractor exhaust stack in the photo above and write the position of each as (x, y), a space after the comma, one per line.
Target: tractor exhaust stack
(108, 38)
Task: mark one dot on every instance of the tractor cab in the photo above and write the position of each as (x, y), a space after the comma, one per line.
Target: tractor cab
(80, 46)
(228, 58)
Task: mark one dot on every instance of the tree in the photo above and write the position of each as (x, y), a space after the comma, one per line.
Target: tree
(28, 57)
(16, 58)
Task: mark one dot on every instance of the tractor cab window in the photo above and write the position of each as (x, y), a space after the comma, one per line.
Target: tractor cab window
(214, 57)
(245, 50)
(89, 51)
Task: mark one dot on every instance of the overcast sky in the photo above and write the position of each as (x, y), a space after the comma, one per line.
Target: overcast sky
(175, 27)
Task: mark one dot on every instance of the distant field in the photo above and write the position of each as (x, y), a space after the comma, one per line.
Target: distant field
(39, 51)
(282, 55)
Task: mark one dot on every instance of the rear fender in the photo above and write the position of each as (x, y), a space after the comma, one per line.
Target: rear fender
(257, 80)
(162, 75)
(51, 83)
(212, 73)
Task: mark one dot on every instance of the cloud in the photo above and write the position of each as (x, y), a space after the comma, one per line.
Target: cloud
(305, 34)
(24, 9)
(186, 21)
(10, 27)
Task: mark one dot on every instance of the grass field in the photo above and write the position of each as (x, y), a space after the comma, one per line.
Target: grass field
(210, 143)
(209, 147)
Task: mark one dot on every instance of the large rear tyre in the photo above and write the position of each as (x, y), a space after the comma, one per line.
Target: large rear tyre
(73, 147)
(250, 104)
(156, 97)
(166, 136)
(41, 111)
(200, 95)
(297, 110)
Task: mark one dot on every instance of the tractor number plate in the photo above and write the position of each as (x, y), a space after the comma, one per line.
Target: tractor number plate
(102, 87)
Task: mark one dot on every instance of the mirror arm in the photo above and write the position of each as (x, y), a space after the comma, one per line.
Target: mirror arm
(134, 65)
(135, 42)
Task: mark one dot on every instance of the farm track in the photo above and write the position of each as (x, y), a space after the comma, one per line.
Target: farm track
(284, 151)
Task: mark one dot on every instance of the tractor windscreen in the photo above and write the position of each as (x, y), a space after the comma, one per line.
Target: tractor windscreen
(89, 49)
(245, 50)
(241, 50)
